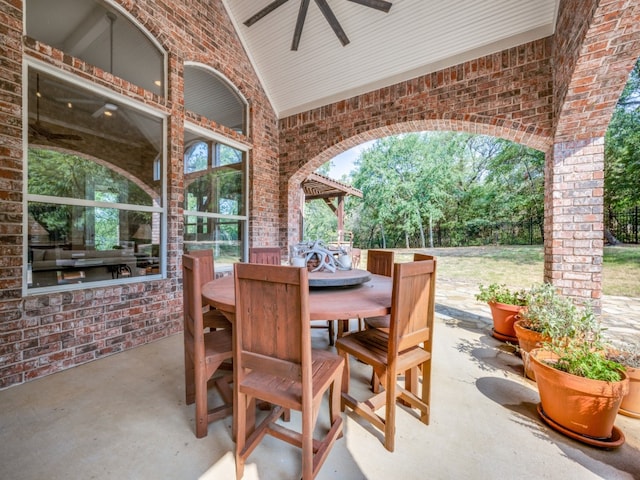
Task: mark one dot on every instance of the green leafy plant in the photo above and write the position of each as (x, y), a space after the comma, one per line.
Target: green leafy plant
(500, 293)
(556, 316)
(575, 334)
(585, 360)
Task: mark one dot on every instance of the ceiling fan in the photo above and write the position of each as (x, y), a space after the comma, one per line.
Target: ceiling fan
(39, 130)
(324, 7)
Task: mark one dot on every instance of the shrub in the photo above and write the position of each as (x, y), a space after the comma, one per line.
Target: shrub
(500, 293)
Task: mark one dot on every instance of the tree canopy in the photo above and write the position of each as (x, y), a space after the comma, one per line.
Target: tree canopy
(420, 187)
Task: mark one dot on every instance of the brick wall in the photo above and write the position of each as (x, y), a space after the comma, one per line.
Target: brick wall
(43, 334)
(595, 48)
(564, 86)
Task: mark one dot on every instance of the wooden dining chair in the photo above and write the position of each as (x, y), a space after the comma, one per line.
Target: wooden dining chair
(407, 345)
(274, 363)
(212, 319)
(382, 322)
(265, 255)
(204, 352)
(380, 262)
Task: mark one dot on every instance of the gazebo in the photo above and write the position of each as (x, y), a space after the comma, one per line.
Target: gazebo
(333, 192)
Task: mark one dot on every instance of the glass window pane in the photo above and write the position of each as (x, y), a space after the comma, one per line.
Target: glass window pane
(219, 191)
(77, 244)
(196, 157)
(88, 30)
(225, 237)
(60, 174)
(211, 96)
(227, 155)
(85, 154)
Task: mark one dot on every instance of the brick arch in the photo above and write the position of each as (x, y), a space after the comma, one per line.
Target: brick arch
(507, 94)
(519, 135)
(512, 131)
(594, 54)
(610, 49)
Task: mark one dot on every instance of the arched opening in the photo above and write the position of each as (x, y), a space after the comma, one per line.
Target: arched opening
(443, 189)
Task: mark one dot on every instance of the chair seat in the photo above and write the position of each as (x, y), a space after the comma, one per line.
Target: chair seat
(215, 319)
(370, 346)
(288, 393)
(218, 346)
(381, 322)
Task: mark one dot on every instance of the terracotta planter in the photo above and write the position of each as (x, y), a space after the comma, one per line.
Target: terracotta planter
(528, 340)
(580, 405)
(630, 405)
(504, 316)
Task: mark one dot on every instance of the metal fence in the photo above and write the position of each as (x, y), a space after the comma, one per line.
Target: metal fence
(528, 232)
(623, 224)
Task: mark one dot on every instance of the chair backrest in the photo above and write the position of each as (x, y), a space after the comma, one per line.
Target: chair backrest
(265, 255)
(207, 271)
(192, 304)
(412, 306)
(380, 262)
(272, 324)
(419, 257)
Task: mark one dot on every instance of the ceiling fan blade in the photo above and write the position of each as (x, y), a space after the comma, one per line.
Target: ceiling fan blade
(39, 130)
(333, 21)
(302, 15)
(377, 4)
(264, 12)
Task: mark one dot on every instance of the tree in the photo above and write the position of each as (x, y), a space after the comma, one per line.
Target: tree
(622, 148)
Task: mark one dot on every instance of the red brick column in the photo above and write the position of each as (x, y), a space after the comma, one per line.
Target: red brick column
(574, 205)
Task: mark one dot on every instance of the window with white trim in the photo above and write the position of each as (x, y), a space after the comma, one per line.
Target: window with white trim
(94, 200)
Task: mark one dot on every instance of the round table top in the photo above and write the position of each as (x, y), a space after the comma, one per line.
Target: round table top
(368, 299)
(339, 278)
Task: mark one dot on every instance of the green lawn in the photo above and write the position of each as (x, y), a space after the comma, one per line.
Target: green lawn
(520, 266)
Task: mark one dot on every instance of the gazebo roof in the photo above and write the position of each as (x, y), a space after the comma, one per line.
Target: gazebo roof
(319, 186)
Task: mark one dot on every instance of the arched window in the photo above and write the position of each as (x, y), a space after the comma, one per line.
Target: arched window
(212, 96)
(100, 35)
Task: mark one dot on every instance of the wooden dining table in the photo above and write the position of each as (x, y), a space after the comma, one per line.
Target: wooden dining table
(369, 299)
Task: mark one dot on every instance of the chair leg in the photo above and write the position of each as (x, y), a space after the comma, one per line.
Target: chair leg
(390, 412)
(331, 333)
(344, 388)
(240, 426)
(202, 413)
(189, 380)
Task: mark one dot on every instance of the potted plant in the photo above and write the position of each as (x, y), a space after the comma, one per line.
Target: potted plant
(628, 354)
(548, 315)
(505, 304)
(580, 388)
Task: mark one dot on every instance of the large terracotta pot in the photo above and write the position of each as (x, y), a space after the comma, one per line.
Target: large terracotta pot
(582, 405)
(630, 405)
(503, 316)
(528, 340)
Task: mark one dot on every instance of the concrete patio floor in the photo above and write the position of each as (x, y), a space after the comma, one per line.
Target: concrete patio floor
(124, 417)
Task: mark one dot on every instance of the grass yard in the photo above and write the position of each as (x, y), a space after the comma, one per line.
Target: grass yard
(521, 266)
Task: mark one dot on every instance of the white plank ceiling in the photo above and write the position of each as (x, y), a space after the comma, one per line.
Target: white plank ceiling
(415, 37)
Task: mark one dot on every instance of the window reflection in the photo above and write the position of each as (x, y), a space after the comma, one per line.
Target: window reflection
(94, 196)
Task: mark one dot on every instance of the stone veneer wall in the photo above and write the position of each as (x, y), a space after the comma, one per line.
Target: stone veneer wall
(43, 334)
